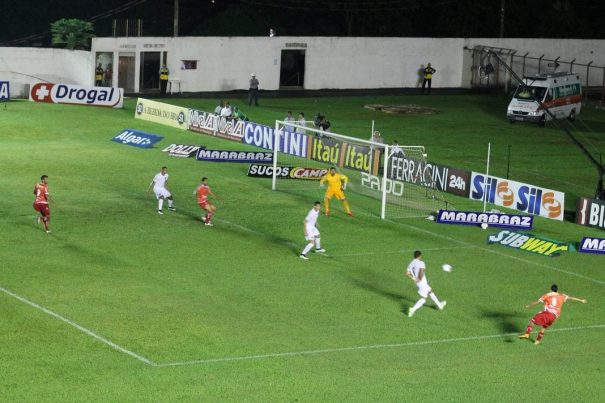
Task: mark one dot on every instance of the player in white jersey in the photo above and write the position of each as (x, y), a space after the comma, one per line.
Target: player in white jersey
(416, 272)
(161, 190)
(312, 231)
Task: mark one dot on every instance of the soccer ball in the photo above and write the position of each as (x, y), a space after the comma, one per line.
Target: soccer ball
(484, 225)
(446, 267)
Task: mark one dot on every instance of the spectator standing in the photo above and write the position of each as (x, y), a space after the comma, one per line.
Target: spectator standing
(99, 75)
(219, 108)
(253, 91)
(108, 75)
(301, 122)
(289, 119)
(164, 74)
(428, 77)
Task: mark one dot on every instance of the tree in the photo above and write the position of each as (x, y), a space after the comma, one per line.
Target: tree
(73, 33)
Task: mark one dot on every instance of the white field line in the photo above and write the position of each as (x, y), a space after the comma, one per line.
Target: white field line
(361, 348)
(395, 252)
(80, 328)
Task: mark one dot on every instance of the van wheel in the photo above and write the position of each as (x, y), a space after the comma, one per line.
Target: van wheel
(542, 121)
(572, 116)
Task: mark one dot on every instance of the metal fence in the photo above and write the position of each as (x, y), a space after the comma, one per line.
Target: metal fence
(488, 73)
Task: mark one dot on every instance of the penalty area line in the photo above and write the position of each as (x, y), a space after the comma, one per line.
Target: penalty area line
(79, 327)
(361, 348)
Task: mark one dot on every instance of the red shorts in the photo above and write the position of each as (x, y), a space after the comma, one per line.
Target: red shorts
(544, 319)
(42, 208)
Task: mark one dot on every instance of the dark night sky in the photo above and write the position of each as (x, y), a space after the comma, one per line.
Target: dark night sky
(407, 18)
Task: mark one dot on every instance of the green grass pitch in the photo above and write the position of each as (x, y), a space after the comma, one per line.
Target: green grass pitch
(121, 304)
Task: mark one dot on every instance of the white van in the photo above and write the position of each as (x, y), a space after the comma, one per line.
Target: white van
(560, 92)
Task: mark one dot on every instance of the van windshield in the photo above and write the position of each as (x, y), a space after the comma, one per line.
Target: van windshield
(529, 93)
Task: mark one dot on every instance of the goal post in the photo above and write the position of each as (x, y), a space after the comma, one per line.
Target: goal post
(302, 155)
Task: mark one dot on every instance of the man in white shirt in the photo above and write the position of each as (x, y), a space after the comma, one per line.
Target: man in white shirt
(301, 122)
(312, 231)
(161, 191)
(219, 108)
(226, 112)
(416, 272)
(289, 119)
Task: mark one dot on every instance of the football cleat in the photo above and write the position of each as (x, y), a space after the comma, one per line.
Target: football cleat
(172, 208)
(443, 304)
(524, 336)
(537, 342)
(303, 257)
(322, 250)
(350, 214)
(160, 212)
(209, 224)
(327, 213)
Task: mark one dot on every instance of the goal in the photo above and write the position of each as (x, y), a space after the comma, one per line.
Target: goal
(383, 180)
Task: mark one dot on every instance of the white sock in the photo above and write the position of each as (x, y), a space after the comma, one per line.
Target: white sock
(435, 299)
(317, 243)
(169, 202)
(160, 203)
(418, 304)
(307, 248)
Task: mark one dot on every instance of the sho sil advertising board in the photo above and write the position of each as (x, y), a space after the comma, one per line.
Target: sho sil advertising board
(264, 137)
(5, 93)
(109, 97)
(501, 220)
(137, 138)
(518, 196)
(528, 243)
(428, 174)
(342, 154)
(209, 123)
(590, 212)
(162, 113)
(233, 156)
(286, 172)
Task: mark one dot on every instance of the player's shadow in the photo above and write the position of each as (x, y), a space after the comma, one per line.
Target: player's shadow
(507, 323)
(379, 284)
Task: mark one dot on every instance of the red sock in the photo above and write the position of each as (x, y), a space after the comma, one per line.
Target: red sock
(529, 329)
(208, 217)
(540, 335)
(45, 221)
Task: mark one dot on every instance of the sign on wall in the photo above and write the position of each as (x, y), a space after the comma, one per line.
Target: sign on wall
(591, 212)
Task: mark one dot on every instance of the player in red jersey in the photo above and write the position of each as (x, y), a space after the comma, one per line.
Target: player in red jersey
(553, 302)
(41, 202)
(202, 192)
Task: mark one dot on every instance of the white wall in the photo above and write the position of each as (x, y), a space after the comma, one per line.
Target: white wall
(225, 63)
(25, 66)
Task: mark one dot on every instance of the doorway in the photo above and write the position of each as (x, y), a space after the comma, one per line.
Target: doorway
(126, 69)
(292, 69)
(150, 71)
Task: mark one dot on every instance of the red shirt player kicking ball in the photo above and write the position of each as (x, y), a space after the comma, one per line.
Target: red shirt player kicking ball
(41, 202)
(202, 192)
(553, 302)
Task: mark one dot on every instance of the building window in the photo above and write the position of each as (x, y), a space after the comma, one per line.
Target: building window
(188, 64)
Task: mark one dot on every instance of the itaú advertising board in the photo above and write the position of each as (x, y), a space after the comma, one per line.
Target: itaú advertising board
(519, 196)
(109, 97)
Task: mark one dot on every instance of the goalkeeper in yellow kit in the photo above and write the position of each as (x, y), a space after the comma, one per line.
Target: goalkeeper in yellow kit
(337, 183)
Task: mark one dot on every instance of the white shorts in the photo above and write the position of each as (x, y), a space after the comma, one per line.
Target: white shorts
(423, 289)
(161, 192)
(312, 233)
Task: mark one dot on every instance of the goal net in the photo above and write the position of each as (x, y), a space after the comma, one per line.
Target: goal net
(383, 180)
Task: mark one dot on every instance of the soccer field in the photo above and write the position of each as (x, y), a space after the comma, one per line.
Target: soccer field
(119, 303)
